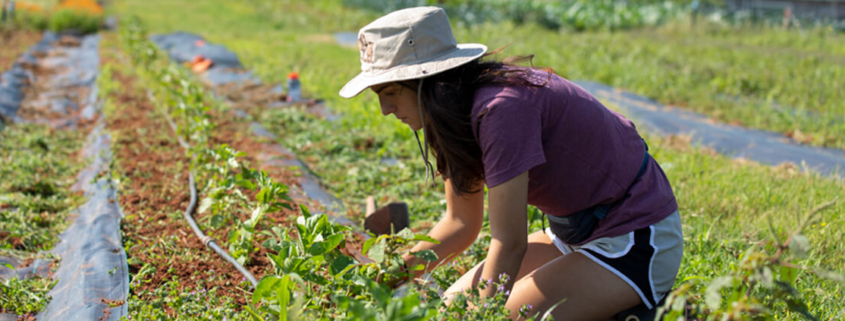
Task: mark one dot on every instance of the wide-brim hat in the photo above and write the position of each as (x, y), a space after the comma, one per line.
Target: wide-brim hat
(408, 44)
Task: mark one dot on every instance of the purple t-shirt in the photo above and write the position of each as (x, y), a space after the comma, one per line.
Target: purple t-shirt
(577, 152)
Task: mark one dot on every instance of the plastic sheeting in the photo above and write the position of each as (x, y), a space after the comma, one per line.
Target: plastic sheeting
(92, 269)
(79, 65)
(734, 141)
(226, 67)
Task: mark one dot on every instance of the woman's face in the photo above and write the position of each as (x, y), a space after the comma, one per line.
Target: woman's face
(401, 101)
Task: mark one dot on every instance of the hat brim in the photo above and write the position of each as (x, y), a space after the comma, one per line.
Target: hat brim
(464, 53)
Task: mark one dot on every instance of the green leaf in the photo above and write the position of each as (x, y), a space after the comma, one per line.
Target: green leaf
(406, 233)
(265, 288)
(831, 275)
(319, 248)
(305, 211)
(800, 245)
(256, 216)
(767, 277)
(262, 196)
(253, 314)
(205, 204)
(712, 297)
(427, 255)
(283, 296)
(9, 266)
(376, 252)
(340, 265)
(369, 242)
(425, 238)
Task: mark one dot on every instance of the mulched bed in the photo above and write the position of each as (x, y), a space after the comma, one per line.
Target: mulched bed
(35, 106)
(155, 192)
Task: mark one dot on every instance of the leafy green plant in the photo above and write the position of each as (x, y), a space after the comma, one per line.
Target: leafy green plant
(174, 299)
(35, 200)
(764, 279)
(22, 296)
(74, 20)
(36, 20)
(469, 305)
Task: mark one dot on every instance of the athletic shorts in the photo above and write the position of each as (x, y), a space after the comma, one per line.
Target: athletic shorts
(647, 259)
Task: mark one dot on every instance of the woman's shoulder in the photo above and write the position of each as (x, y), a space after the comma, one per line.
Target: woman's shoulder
(537, 81)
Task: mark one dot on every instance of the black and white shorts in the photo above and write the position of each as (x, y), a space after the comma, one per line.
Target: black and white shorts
(647, 259)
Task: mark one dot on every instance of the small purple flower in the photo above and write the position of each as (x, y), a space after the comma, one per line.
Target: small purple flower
(485, 304)
(530, 307)
(501, 287)
(490, 281)
(508, 293)
(224, 318)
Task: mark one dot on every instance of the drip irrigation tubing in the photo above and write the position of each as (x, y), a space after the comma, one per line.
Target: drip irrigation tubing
(192, 206)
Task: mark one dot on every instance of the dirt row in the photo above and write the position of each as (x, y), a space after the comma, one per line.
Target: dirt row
(154, 168)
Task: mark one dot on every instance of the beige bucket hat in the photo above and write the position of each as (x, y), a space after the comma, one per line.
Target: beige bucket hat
(408, 44)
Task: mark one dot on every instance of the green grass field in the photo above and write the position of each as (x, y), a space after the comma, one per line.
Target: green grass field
(730, 208)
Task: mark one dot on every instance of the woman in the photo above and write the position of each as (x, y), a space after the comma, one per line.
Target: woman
(532, 137)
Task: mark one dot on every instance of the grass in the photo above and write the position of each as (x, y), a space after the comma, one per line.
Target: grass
(727, 205)
(35, 196)
(725, 73)
(38, 169)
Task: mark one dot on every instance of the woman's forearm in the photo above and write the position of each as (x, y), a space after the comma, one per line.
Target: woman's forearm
(502, 259)
(455, 236)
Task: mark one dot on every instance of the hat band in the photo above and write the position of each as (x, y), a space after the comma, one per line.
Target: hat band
(372, 72)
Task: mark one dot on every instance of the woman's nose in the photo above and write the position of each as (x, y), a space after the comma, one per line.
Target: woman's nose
(387, 109)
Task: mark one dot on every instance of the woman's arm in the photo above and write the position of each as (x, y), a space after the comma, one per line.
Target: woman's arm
(508, 229)
(456, 230)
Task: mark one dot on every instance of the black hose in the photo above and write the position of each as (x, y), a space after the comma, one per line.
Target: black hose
(208, 241)
(192, 206)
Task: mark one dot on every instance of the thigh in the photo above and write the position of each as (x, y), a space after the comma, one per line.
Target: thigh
(606, 275)
(587, 291)
(540, 251)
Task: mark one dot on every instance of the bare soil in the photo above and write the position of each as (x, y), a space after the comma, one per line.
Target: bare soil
(155, 169)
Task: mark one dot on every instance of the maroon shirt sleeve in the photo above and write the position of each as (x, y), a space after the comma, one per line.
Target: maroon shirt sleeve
(510, 139)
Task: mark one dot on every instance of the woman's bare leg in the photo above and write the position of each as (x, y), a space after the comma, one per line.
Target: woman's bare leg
(546, 276)
(589, 291)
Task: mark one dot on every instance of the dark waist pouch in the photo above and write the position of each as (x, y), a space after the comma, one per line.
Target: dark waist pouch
(574, 228)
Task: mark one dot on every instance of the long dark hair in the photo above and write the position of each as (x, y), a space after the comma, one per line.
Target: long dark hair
(448, 99)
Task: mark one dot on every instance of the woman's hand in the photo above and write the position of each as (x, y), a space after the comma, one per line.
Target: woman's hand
(397, 274)
(455, 231)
